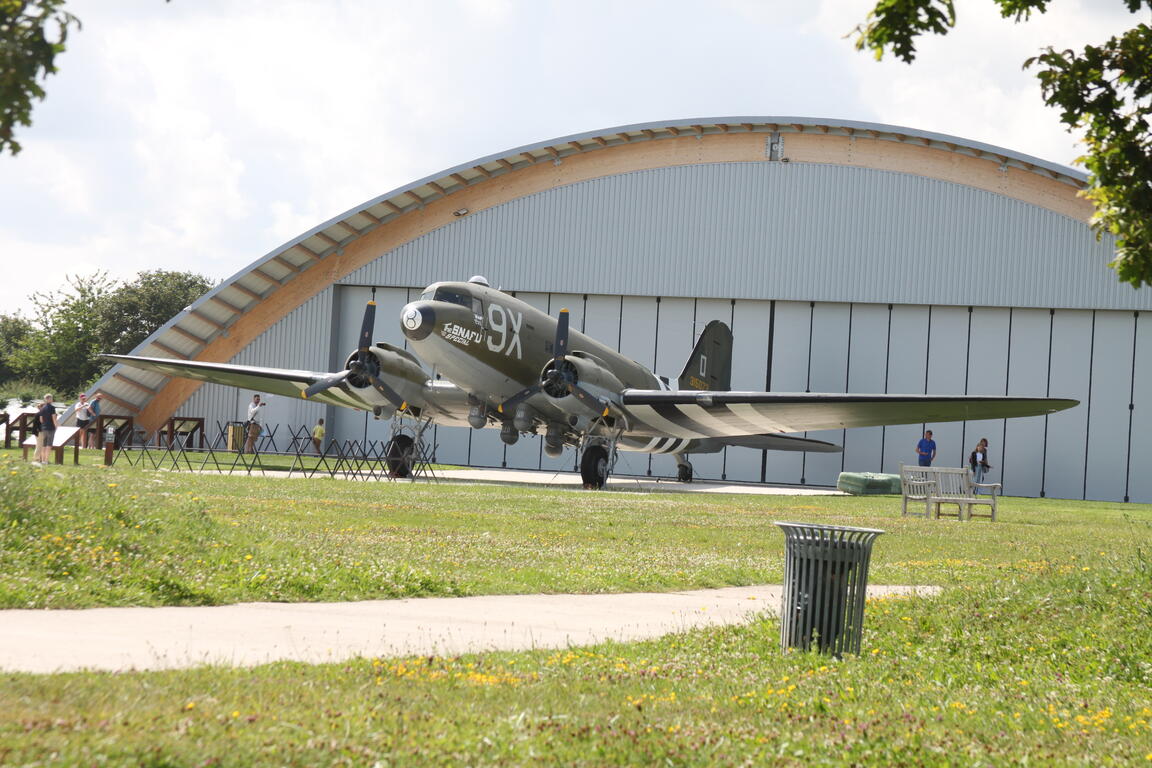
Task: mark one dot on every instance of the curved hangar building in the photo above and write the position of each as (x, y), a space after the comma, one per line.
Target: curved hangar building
(845, 256)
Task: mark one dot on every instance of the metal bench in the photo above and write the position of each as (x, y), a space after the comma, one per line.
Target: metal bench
(936, 486)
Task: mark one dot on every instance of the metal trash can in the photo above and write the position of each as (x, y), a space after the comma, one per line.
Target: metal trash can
(825, 576)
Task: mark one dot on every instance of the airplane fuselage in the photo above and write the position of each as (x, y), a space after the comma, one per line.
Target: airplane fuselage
(496, 346)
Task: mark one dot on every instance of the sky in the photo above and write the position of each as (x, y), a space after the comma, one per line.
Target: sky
(201, 135)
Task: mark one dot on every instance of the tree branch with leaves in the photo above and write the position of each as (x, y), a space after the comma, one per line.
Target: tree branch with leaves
(32, 34)
(1103, 92)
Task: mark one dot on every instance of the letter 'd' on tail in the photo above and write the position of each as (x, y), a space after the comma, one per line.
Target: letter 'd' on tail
(710, 366)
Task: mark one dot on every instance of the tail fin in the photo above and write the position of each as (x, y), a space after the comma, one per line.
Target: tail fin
(710, 365)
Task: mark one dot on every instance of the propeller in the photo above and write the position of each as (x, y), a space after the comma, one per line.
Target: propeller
(363, 369)
(559, 377)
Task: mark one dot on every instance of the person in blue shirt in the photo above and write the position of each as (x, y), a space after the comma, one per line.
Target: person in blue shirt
(46, 416)
(926, 450)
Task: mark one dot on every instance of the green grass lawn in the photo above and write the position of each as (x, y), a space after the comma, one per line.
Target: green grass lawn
(1037, 651)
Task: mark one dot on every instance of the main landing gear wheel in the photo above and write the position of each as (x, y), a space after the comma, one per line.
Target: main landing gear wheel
(684, 472)
(594, 467)
(398, 455)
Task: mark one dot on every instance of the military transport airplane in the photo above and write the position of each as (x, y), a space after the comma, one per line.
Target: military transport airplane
(503, 363)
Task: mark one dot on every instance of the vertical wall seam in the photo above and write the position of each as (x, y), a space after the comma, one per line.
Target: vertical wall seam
(1047, 393)
(928, 351)
(655, 357)
(620, 325)
(1004, 422)
(808, 385)
(1131, 407)
(847, 378)
(967, 376)
(887, 364)
(1088, 417)
(768, 378)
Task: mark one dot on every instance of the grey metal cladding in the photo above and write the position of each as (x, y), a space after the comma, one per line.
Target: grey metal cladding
(796, 231)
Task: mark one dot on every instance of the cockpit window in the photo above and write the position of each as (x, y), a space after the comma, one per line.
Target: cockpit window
(427, 295)
(453, 297)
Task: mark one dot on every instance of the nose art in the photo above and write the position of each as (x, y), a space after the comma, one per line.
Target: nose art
(417, 321)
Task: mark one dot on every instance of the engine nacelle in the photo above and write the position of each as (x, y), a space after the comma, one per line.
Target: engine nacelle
(395, 363)
(394, 375)
(577, 368)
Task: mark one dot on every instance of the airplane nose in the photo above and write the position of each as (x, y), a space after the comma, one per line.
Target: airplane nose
(417, 320)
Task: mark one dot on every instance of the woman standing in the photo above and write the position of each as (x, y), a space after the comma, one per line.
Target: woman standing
(978, 460)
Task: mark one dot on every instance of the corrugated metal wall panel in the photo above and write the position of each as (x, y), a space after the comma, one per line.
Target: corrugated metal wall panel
(988, 354)
(784, 230)
(1028, 367)
(1111, 389)
(1069, 371)
(1138, 483)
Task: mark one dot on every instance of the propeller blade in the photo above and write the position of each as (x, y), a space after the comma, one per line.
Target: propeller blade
(560, 348)
(367, 327)
(589, 400)
(325, 383)
(518, 398)
(363, 366)
(390, 394)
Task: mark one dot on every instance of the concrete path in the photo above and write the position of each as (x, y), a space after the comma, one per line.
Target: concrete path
(626, 483)
(257, 633)
(566, 480)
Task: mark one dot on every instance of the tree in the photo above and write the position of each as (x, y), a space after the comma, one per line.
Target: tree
(61, 348)
(14, 332)
(95, 314)
(133, 311)
(32, 33)
(1105, 91)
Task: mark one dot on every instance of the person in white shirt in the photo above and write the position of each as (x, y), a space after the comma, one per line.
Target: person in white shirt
(84, 417)
(255, 423)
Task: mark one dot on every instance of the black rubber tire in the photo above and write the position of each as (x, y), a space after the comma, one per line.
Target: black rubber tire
(684, 472)
(594, 467)
(398, 455)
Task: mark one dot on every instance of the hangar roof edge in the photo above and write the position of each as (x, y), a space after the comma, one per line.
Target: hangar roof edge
(447, 180)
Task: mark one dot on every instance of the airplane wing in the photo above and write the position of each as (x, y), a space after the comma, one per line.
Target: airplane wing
(766, 443)
(274, 381)
(406, 384)
(689, 414)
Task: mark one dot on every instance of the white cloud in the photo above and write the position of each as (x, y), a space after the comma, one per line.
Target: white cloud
(971, 82)
(203, 135)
